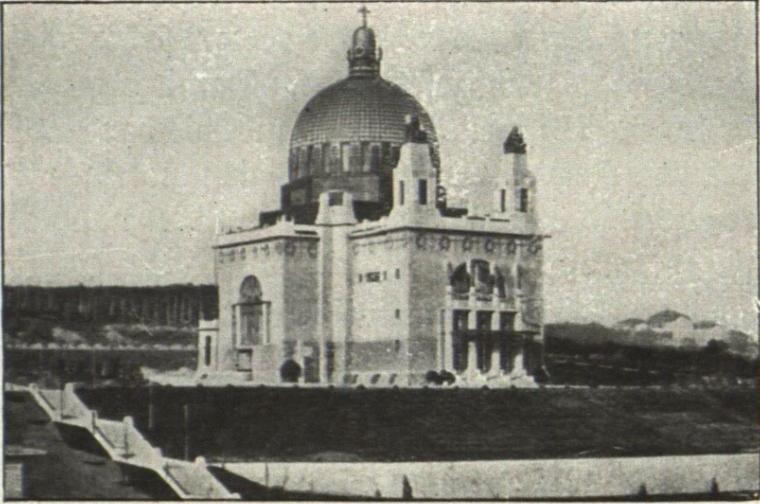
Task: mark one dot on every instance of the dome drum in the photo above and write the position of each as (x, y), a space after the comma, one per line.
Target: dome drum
(325, 159)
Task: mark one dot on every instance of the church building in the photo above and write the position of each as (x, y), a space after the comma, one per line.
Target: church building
(366, 275)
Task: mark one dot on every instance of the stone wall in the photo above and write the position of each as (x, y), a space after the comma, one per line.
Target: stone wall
(513, 479)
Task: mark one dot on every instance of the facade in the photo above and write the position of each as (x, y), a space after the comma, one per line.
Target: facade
(365, 275)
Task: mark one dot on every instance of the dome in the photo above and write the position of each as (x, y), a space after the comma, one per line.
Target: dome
(348, 137)
(359, 109)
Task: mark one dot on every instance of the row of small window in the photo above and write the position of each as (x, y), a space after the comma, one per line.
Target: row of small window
(344, 157)
(377, 276)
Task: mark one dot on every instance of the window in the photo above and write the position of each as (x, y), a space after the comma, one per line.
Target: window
(398, 313)
(316, 161)
(248, 314)
(523, 199)
(374, 161)
(207, 352)
(398, 273)
(519, 275)
(373, 276)
(355, 157)
(503, 200)
(484, 320)
(397, 346)
(400, 192)
(460, 320)
(309, 160)
(292, 162)
(335, 198)
(296, 167)
(360, 278)
(386, 154)
(506, 321)
(250, 324)
(422, 191)
(303, 163)
(481, 274)
(460, 280)
(365, 161)
(334, 159)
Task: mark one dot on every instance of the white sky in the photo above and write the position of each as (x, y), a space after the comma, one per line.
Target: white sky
(131, 128)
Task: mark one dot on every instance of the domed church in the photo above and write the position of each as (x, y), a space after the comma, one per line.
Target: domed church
(365, 275)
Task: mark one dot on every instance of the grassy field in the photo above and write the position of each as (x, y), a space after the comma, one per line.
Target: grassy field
(428, 424)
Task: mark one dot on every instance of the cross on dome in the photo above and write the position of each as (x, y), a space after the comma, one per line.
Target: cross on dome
(363, 10)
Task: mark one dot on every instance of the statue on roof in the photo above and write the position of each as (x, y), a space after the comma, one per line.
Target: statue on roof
(515, 144)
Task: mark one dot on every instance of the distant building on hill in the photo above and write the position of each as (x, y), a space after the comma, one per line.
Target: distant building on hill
(677, 329)
(365, 274)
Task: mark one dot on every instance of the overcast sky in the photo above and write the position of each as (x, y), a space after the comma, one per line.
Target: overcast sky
(130, 129)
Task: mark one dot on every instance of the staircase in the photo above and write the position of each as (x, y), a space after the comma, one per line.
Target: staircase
(126, 445)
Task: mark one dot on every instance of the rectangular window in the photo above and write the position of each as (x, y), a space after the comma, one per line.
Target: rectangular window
(360, 278)
(334, 161)
(373, 276)
(523, 200)
(398, 313)
(518, 274)
(335, 198)
(506, 321)
(325, 158)
(366, 161)
(309, 160)
(398, 273)
(422, 191)
(460, 320)
(374, 162)
(401, 192)
(484, 320)
(316, 162)
(207, 352)
(503, 200)
(293, 162)
(385, 157)
(303, 167)
(251, 316)
(296, 167)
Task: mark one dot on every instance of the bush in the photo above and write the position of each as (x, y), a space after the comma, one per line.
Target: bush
(433, 377)
(447, 377)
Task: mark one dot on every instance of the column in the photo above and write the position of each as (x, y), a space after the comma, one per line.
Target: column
(447, 355)
(472, 358)
(496, 349)
(517, 363)
(238, 336)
